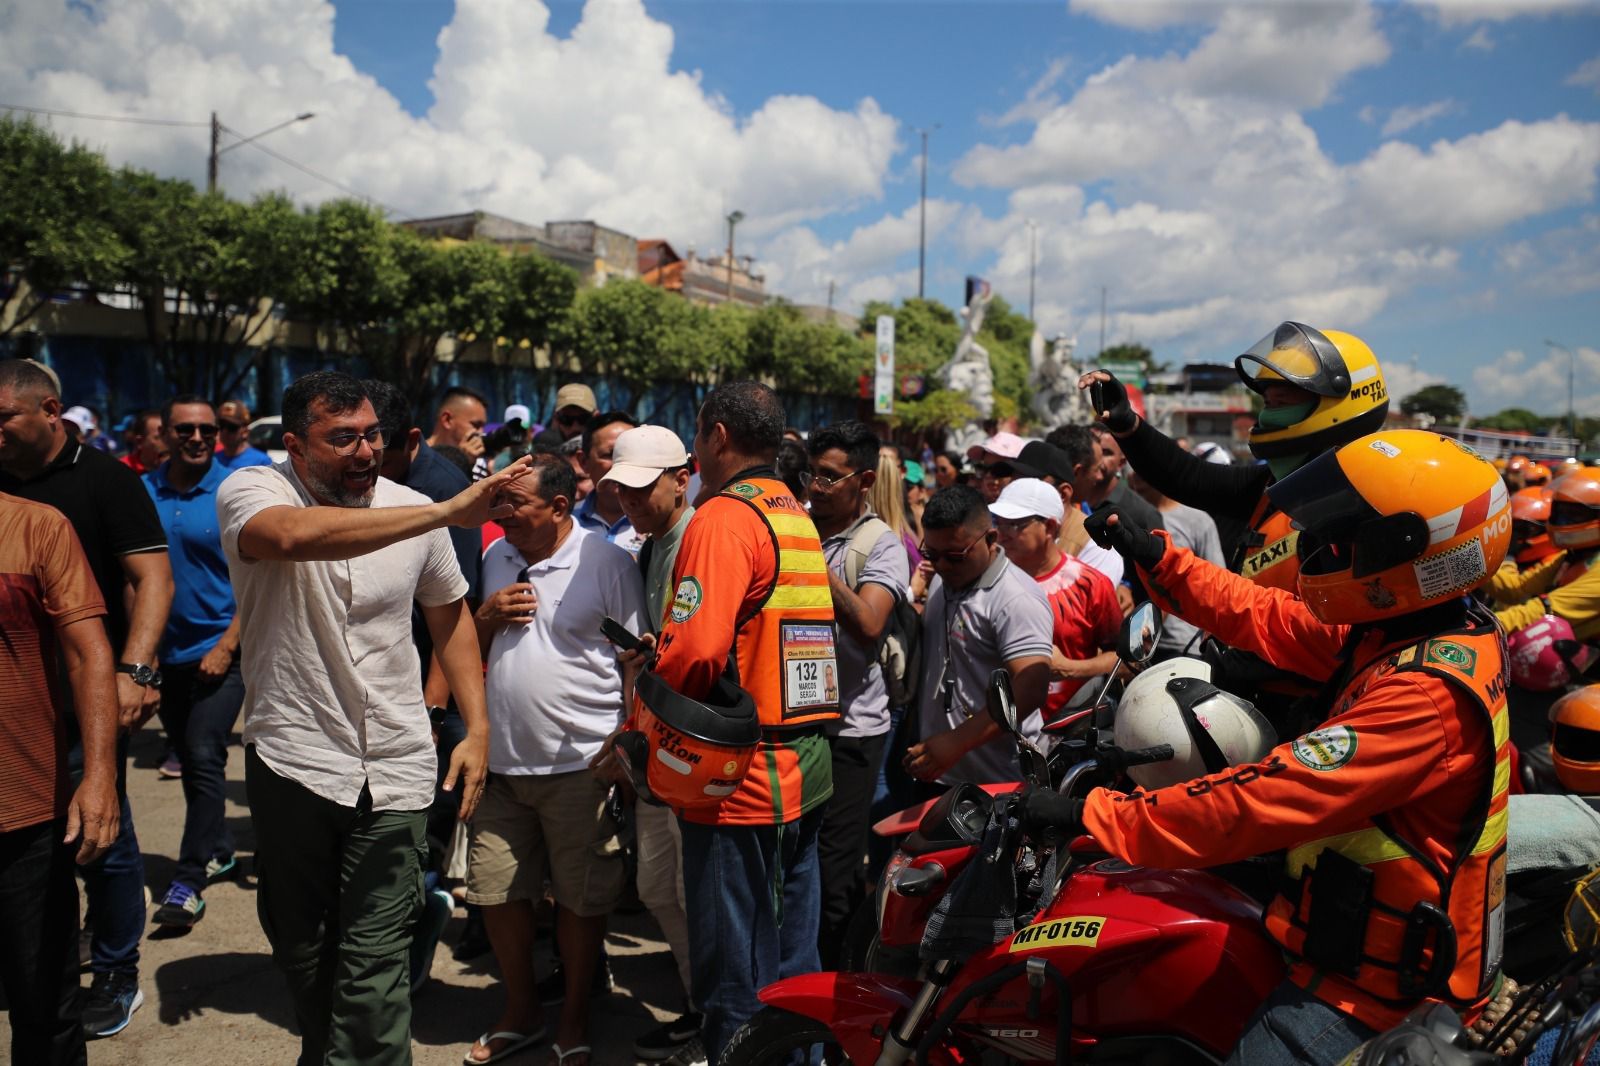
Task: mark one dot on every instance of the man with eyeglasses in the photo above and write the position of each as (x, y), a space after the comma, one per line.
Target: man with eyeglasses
(867, 569)
(233, 437)
(326, 558)
(202, 689)
(983, 614)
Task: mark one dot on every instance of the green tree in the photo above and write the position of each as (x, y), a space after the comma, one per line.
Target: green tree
(56, 223)
(1515, 419)
(1445, 403)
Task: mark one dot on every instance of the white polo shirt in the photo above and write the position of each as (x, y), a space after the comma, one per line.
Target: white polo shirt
(333, 687)
(554, 688)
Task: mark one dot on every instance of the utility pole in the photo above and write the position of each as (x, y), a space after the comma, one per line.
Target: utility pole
(1572, 411)
(733, 220)
(1033, 258)
(1102, 318)
(922, 215)
(211, 163)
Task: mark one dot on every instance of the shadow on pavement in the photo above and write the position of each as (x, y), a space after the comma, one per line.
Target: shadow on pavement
(227, 983)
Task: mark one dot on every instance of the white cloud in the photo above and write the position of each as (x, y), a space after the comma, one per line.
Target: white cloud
(1039, 100)
(1456, 12)
(1514, 379)
(596, 124)
(1480, 41)
(1147, 14)
(1404, 378)
(1587, 74)
(1406, 118)
(801, 265)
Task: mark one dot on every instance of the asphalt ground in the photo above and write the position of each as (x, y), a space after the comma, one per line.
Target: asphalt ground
(212, 994)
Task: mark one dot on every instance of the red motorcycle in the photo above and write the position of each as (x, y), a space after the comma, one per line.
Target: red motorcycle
(1091, 959)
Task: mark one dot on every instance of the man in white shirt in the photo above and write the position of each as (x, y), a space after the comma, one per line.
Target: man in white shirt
(556, 694)
(326, 558)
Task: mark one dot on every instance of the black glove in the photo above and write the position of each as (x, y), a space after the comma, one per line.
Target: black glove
(1049, 816)
(1127, 538)
(1110, 401)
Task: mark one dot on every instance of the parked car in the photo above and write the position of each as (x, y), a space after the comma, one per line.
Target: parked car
(267, 434)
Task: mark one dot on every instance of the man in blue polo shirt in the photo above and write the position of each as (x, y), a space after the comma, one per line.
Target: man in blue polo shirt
(202, 691)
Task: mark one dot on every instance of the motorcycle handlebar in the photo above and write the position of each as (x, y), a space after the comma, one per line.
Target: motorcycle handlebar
(1140, 756)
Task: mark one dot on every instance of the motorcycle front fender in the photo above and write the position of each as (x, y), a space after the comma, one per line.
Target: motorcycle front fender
(857, 1007)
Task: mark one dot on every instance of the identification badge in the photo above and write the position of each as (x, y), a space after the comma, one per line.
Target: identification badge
(810, 668)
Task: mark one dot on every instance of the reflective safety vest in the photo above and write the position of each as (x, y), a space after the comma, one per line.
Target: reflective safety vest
(1268, 553)
(1369, 907)
(784, 650)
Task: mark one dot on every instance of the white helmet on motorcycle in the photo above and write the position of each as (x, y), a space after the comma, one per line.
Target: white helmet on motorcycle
(1174, 702)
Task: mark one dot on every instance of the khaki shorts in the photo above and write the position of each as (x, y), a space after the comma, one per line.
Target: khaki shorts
(532, 826)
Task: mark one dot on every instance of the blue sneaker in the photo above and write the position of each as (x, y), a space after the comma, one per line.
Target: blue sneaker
(181, 907)
(113, 997)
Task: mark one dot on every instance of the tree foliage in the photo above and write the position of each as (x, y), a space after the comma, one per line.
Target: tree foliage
(1444, 403)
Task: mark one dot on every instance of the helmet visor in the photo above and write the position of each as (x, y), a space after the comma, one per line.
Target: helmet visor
(1339, 529)
(1298, 355)
(1572, 513)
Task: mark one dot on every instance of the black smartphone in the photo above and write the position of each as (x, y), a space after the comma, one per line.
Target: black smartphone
(618, 634)
(1097, 397)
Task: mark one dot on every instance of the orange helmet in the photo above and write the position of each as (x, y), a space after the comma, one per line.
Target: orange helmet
(1575, 740)
(1536, 474)
(1394, 522)
(1575, 509)
(684, 753)
(1530, 515)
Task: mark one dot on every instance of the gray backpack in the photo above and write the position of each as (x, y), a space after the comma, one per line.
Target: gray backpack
(900, 647)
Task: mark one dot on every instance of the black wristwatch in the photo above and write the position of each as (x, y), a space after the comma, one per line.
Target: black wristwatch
(143, 674)
(436, 716)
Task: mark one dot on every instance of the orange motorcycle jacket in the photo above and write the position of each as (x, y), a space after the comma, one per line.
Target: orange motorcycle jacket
(1267, 554)
(1573, 584)
(752, 601)
(1393, 811)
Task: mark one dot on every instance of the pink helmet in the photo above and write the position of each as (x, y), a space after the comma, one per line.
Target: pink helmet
(1536, 664)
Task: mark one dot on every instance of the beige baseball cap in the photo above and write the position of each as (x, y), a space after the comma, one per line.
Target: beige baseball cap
(576, 395)
(641, 454)
(234, 411)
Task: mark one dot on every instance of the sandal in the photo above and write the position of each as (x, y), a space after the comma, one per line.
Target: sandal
(561, 1056)
(518, 1041)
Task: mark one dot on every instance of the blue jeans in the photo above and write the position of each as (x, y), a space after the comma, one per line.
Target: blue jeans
(114, 883)
(751, 895)
(1293, 1028)
(198, 716)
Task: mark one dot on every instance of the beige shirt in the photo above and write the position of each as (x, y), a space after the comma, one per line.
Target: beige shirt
(333, 686)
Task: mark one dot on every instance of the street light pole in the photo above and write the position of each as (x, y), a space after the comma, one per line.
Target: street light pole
(216, 138)
(1572, 370)
(733, 220)
(922, 214)
(1033, 258)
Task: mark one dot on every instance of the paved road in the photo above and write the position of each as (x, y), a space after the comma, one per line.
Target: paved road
(212, 995)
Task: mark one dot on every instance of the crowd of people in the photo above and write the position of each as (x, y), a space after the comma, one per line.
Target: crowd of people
(420, 633)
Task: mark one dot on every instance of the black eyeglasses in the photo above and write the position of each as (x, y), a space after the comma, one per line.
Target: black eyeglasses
(347, 442)
(825, 483)
(937, 557)
(231, 427)
(1010, 527)
(185, 430)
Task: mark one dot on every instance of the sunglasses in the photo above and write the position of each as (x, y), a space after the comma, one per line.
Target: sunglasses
(231, 427)
(952, 557)
(185, 430)
(823, 482)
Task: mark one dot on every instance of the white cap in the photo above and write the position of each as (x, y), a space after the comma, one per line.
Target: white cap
(1028, 497)
(81, 417)
(642, 453)
(1004, 445)
(518, 412)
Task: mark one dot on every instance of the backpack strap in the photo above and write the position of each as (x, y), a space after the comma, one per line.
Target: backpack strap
(859, 550)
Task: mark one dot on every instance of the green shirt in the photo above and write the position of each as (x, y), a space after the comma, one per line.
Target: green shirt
(658, 587)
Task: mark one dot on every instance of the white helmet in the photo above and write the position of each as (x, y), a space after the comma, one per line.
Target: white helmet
(1174, 702)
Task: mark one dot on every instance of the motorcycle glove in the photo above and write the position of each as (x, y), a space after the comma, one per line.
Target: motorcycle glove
(1127, 538)
(1050, 816)
(1111, 406)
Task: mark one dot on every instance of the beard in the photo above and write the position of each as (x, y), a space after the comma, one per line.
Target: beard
(327, 482)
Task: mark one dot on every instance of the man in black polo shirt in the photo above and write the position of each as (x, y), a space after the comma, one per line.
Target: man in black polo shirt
(124, 542)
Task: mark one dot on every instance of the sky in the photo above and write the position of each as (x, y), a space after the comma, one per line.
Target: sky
(1422, 174)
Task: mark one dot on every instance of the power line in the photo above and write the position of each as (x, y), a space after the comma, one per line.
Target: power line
(258, 146)
(101, 118)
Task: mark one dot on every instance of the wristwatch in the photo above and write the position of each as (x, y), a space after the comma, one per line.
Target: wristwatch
(436, 716)
(143, 674)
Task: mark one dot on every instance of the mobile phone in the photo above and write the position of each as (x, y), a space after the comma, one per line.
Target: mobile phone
(618, 634)
(1097, 397)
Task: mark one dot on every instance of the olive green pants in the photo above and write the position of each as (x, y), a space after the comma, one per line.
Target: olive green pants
(339, 892)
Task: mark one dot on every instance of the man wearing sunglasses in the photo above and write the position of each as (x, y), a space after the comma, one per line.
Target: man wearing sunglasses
(233, 437)
(983, 614)
(202, 689)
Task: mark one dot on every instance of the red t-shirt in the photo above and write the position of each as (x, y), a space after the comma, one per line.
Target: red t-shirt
(1084, 618)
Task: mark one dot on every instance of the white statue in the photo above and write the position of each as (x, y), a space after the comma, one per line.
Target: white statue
(968, 370)
(1057, 400)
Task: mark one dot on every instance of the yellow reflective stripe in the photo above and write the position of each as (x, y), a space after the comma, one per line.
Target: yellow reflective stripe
(1494, 832)
(1502, 779)
(1364, 846)
(1502, 727)
(799, 598)
(791, 525)
(803, 562)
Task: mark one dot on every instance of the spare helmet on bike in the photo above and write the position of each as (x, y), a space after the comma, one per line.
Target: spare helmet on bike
(1545, 655)
(687, 753)
(1348, 397)
(1575, 509)
(1575, 740)
(1530, 521)
(1394, 522)
(1174, 702)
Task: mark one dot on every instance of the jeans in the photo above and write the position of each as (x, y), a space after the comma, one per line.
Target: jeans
(39, 945)
(842, 840)
(339, 893)
(114, 882)
(894, 788)
(752, 896)
(198, 716)
(1294, 1028)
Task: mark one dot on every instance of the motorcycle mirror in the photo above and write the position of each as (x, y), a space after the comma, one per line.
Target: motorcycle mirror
(1002, 704)
(1136, 642)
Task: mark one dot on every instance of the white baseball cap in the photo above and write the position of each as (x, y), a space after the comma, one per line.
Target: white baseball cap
(1004, 445)
(518, 412)
(1028, 497)
(642, 453)
(81, 417)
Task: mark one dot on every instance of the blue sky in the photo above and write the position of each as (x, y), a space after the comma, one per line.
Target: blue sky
(1421, 174)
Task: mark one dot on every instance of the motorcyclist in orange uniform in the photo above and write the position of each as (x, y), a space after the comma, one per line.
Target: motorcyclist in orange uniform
(1568, 585)
(1393, 809)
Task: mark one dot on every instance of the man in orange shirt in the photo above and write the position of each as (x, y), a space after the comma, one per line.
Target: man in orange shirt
(751, 583)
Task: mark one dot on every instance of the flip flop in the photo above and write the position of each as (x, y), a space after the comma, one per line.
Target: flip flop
(518, 1042)
(561, 1056)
